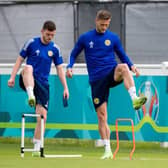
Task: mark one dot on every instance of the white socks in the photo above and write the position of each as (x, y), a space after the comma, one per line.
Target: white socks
(107, 145)
(37, 144)
(30, 92)
(132, 92)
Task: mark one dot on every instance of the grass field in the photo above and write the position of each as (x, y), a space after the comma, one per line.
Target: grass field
(147, 155)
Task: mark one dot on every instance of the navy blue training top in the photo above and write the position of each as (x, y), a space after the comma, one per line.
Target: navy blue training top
(40, 56)
(100, 49)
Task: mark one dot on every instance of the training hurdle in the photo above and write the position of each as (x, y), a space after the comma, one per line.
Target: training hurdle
(23, 149)
(117, 136)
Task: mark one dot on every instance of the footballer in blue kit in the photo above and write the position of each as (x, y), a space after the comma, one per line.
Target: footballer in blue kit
(39, 53)
(99, 53)
(100, 46)
(41, 56)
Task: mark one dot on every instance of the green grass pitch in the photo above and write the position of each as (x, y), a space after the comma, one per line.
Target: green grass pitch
(146, 155)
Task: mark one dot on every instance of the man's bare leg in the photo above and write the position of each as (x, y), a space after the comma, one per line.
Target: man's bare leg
(37, 133)
(122, 72)
(28, 80)
(104, 130)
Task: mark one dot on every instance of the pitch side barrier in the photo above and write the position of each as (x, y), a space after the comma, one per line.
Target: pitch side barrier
(145, 69)
(148, 72)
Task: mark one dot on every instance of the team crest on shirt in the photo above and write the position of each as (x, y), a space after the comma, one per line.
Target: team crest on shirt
(96, 100)
(107, 42)
(50, 53)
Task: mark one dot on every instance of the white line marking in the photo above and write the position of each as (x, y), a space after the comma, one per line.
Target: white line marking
(62, 156)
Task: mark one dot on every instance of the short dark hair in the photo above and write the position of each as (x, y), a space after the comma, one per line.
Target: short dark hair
(103, 15)
(49, 25)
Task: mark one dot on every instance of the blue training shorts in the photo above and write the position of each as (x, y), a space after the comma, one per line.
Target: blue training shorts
(41, 92)
(100, 88)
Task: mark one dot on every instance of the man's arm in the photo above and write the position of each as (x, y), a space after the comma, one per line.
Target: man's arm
(62, 78)
(124, 58)
(121, 53)
(19, 61)
(75, 52)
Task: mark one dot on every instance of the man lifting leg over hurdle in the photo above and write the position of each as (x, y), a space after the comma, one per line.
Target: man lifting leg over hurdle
(100, 46)
(39, 52)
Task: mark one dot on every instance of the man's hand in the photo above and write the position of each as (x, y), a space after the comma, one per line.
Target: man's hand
(66, 93)
(11, 82)
(65, 97)
(69, 73)
(135, 70)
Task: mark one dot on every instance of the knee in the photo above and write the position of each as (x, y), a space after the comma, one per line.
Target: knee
(101, 116)
(28, 69)
(124, 68)
(44, 118)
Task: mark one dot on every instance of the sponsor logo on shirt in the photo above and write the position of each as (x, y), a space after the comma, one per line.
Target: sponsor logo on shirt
(91, 44)
(50, 53)
(37, 52)
(107, 42)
